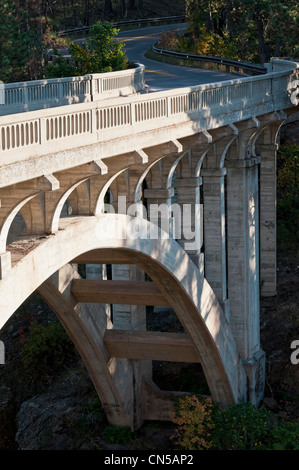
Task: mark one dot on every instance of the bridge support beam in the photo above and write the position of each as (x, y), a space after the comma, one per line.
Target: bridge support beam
(243, 269)
(215, 233)
(267, 149)
(159, 208)
(88, 342)
(188, 197)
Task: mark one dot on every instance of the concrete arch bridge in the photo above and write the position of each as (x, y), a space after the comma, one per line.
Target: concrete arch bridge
(178, 185)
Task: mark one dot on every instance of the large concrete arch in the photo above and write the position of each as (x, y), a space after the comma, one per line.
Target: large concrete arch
(169, 267)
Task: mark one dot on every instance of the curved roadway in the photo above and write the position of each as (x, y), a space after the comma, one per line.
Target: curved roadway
(159, 75)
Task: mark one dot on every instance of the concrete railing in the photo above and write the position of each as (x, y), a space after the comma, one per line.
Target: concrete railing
(277, 64)
(37, 133)
(39, 94)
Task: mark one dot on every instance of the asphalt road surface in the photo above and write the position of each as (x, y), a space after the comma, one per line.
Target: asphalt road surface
(161, 76)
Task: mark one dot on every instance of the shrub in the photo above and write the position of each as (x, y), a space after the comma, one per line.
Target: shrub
(193, 419)
(241, 427)
(202, 426)
(117, 435)
(45, 349)
(203, 43)
(101, 53)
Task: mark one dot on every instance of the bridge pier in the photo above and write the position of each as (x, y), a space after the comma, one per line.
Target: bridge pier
(243, 269)
(267, 149)
(158, 202)
(215, 233)
(191, 233)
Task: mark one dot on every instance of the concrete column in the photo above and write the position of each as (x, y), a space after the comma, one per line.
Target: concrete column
(243, 269)
(191, 230)
(215, 233)
(128, 317)
(159, 208)
(98, 271)
(131, 317)
(268, 153)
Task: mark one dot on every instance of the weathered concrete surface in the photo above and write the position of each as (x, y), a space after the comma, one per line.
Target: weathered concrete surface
(168, 266)
(201, 148)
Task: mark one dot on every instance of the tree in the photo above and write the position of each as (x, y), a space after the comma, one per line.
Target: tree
(108, 7)
(25, 37)
(140, 6)
(262, 28)
(123, 8)
(14, 51)
(100, 53)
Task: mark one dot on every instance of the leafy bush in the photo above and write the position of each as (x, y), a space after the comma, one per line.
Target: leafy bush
(202, 426)
(193, 418)
(46, 349)
(242, 427)
(204, 43)
(117, 435)
(101, 53)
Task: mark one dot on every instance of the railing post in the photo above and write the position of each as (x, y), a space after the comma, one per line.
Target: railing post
(42, 130)
(93, 115)
(132, 114)
(60, 91)
(25, 95)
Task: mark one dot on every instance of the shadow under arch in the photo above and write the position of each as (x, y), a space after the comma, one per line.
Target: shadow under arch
(169, 267)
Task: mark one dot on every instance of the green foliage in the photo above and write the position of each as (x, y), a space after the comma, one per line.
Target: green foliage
(203, 43)
(258, 29)
(101, 53)
(202, 426)
(25, 37)
(117, 435)
(46, 349)
(241, 427)
(15, 40)
(94, 412)
(288, 195)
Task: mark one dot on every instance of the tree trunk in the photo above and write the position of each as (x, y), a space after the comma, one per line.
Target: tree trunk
(123, 8)
(108, 6)
(86, 12)
(209, 21)
(262, 43)
(140, 6)
(132, 4)
(277, 47)
(74, 13)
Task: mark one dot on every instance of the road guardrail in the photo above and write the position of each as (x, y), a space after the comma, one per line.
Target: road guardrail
(250, 69)
(142, 21)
